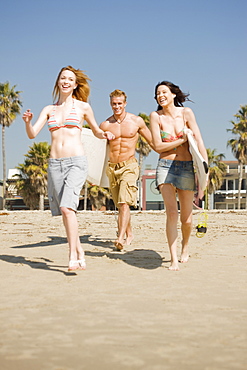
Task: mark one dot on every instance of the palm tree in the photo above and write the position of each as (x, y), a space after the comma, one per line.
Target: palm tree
(217, 170)
(26, 190)
(143, 148)
(10, 106)
(85, 194)
(32, 182)
(98, 196)
(239, 144)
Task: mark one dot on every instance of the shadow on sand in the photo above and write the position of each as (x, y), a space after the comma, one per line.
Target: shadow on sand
(43, 263)
(141, 258)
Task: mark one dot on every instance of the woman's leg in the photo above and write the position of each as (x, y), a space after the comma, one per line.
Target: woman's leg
(71, 226)
(169, 195)
(186, 207)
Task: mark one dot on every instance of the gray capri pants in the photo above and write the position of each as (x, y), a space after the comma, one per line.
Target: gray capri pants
(66, 177)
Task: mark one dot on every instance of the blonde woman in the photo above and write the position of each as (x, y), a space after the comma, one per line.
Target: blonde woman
(67, 169)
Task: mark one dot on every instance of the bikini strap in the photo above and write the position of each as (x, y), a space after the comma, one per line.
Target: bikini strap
(53, 110)
(184, 119)
(159, 120)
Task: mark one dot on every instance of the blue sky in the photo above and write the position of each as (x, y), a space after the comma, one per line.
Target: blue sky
(130, 45)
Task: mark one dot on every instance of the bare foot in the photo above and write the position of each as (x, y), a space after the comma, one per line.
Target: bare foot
(129, 239)
(184, 258)
(184, 255)
(118, 245)
(174, 267)
(73, 265)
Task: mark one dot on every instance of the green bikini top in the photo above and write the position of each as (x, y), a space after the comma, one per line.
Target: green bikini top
(167, 137)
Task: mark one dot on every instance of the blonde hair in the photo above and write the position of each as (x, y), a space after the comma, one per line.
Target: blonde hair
(82, 91)
(116, 93)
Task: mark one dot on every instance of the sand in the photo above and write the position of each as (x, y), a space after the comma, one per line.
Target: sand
(127, 310)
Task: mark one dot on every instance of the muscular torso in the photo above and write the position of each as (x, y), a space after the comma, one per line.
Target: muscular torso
(126, 134)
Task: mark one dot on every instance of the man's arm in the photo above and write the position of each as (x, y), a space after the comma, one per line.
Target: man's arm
(145, 132)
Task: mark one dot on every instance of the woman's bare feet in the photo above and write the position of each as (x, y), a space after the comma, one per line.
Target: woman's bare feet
(73, 266)
(118, 245)
(184, 255)
(129, 239)
(174, 266)
(184, 258)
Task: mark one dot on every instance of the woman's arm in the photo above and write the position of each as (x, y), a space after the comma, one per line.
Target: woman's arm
(100, 134)
(32, 131)
(158, 144)
(192, 124)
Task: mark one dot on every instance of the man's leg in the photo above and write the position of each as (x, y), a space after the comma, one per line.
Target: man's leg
(126, 195)
(129, 233)
(123, 224)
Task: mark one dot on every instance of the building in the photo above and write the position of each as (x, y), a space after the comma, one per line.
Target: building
(1, 194)
(224, 198)
(151, 198)
(227, 196)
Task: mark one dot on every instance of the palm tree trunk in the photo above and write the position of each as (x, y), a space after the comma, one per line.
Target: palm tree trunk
(85, 196)
(209, 201)
(41, 202)
(140, 180)
(4, 166)
(239, 184)
(246, 189)
(206, 198)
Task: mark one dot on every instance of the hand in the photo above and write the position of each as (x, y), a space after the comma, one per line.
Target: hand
(27, 116)
(184, 137)
(108, 135)
(188, 131)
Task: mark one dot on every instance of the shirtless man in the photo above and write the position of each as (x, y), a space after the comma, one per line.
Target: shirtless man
(123, 169)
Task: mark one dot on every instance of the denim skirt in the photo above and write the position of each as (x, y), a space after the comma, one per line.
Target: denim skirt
(178, 173)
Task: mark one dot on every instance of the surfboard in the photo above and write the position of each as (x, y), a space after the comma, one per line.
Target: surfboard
(104, 182)
(96, 153)
(200, 165)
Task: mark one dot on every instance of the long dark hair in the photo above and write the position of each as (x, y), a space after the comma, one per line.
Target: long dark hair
(180, 97)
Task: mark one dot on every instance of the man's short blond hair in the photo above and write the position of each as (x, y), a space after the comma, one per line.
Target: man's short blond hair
(116, 93)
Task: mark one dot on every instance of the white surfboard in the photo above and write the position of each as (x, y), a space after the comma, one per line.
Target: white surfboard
(200, 165)
(95, 151)
(104, 182)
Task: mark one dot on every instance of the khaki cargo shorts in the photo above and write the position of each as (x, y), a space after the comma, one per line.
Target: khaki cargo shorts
(122, 178)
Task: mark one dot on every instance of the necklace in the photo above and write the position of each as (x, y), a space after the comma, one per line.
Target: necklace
(119, 120)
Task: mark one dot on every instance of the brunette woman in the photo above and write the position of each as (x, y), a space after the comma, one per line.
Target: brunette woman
(175, 176)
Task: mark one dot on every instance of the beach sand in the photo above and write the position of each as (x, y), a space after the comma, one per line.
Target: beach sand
(127, 310)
